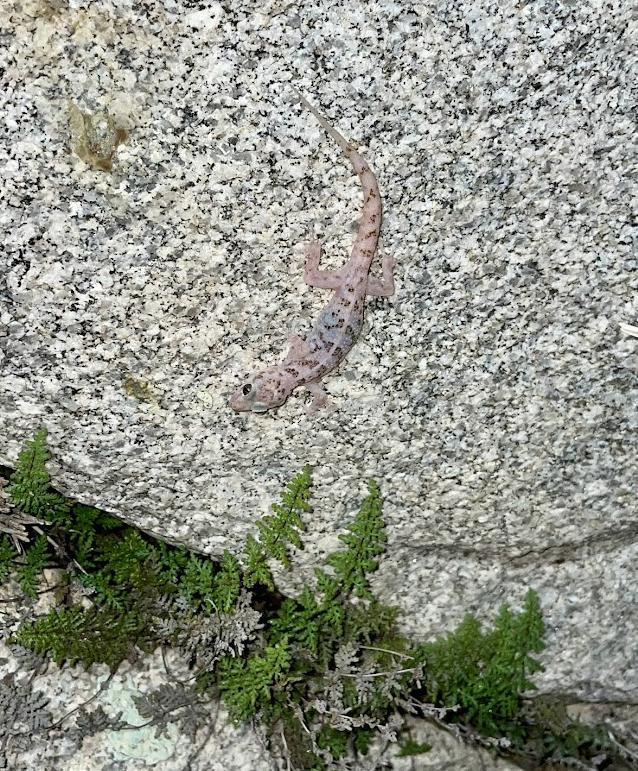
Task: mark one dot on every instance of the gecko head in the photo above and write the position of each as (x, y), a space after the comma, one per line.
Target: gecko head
(261, 393)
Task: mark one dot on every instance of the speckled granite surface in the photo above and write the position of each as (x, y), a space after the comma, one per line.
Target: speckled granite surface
(494, 397)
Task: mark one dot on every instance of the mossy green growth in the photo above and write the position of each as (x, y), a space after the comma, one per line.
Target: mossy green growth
(327, 670)
(410, 747)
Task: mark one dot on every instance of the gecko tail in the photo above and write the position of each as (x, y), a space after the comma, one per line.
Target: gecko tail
(343, 143)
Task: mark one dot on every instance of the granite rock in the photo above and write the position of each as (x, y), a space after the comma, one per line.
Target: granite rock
(493, 397)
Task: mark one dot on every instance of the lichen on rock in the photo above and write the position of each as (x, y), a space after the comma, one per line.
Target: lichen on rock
(95, 137)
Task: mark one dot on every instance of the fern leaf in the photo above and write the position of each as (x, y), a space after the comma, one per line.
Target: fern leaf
(7, 555)
(85, 522)
(172, 561)
(485, 672)
(36, 559)
(335, 742)
(197, 584)
(246, 685)
(256, 570)
(299, 621)
(125, 556)
(29, 485)
(410, 747)
(80, 635)
(365, 540)
(227, 584)
(277, 531)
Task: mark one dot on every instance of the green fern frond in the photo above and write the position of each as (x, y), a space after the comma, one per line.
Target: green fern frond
(85, 530)
(365, 540)
(371, 622)
(7, 555)
(197, 583)
(410, 747)
(317, 625)
(125, 556)
(78, 635)
(278, 530)
(256, 569)
(327, 585)
(299, 621)
(106, 593)
(507, 672)
(227, 584)
(336, 742)
(36, 559)
(246, 684)
(82, 532)
(172, 561)
(29, 485)
(485, 672)
(125, 568)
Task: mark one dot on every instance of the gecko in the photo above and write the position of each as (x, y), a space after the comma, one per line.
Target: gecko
(339, 323)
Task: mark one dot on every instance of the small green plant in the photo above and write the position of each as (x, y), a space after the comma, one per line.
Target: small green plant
(277, 532)
(365, 540)
(248, 684)
(7, 557)
(326, 672)
(35, 561)
(30, 484)
(485, 673)
(82, 635)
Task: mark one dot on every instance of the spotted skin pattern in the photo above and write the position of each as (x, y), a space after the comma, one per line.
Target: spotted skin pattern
(339, 323)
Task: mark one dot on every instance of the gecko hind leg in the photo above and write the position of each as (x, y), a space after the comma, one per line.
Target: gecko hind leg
(319, 397)
(323, 279)
(383, 287)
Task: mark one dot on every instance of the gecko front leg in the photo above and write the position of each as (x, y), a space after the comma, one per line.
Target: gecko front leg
(322, 279)
(319, 396)
(383, 287)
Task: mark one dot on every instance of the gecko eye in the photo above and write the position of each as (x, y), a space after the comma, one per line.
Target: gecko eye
(247, 389)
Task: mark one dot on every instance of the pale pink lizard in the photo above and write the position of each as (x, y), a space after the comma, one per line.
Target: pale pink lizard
(339, 323)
